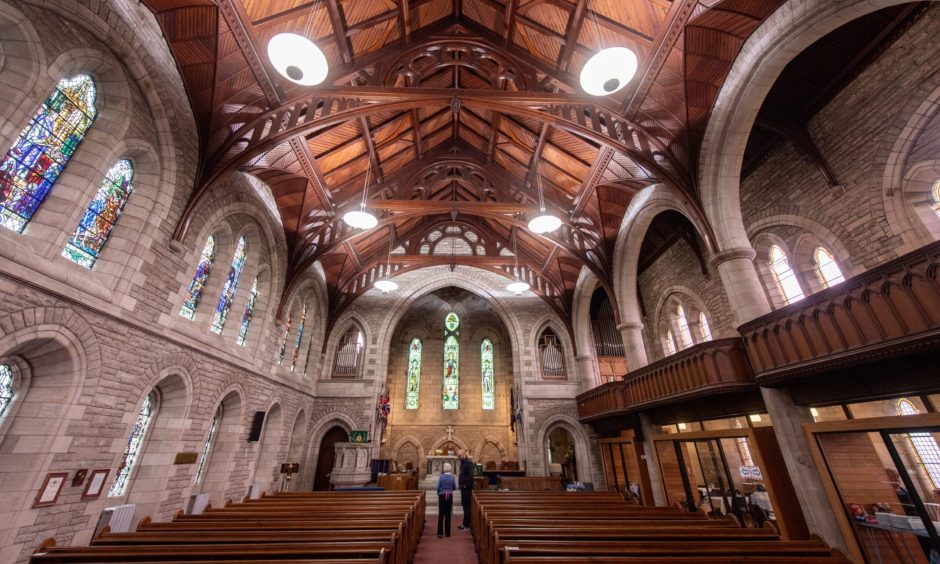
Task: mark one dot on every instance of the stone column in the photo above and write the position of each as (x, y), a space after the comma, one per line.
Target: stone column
(787, 419)
(587, 371)
(633, 349)
(652, 459)
(746, 295)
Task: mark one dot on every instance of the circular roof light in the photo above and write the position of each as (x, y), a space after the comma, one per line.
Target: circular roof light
(298, 59)
(517, 287)
(544, 223)
(608, 71)
(386, 285)
(360, 219)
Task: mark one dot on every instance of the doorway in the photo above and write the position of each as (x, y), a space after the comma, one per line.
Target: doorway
(562, 460)
(326, 457)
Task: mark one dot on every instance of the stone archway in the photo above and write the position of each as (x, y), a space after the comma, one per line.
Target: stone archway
(326, 457)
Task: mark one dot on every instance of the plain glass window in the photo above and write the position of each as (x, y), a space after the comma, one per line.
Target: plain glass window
(829, 272)
(786, 278)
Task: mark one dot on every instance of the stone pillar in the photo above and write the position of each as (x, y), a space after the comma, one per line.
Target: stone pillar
(587, 371)
(652, 459)
(788, 419)
(633, 348)
(746, 295)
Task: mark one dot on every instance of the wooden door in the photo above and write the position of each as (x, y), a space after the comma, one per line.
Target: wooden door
(327, 457)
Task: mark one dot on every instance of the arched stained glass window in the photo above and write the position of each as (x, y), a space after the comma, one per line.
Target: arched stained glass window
(924, 446)
(6, 387)
(488, 374)
(670, 344)
(246, 318)
(300, 336)
(231, 282)
(685, 335)
(283, 351)
(134, 442)
(102, 213)
(199, 279)
(207, 448)
(451, 385)
(31, 167)
(829, 272)
(786, 278)
(413, 389)
(703, 323)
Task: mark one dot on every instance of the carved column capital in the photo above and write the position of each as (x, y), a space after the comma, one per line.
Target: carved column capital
(732, 254)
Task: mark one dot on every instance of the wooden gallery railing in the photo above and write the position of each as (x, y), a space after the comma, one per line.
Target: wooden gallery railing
(893, 308)
(713, 367)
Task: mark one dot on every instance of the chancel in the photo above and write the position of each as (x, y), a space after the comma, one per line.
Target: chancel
(497, 281)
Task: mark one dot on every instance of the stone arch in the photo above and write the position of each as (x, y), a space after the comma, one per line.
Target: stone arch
(419, 450)
(268, 465)
(763, 241)
(582, 444)
(840, 244)
(352, 319)
(220, 466)
(784, 34)
(319, 430)
(490, 440)
(589, 371)
(444, 440)
(550, 322)
(663, 313)
(916, 205)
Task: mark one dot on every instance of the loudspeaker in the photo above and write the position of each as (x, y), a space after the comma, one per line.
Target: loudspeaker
(256, 424)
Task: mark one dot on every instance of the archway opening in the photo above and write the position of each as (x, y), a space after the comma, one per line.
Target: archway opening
(561, 454)
(327, 457)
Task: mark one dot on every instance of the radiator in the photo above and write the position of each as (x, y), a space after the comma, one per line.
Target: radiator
(197, 503)
(119, 518)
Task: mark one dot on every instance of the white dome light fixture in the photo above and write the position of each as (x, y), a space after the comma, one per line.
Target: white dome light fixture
(517, 287)
(361, 219)
(298, 59)
(385, 285)
(608, 70)
(544, 222)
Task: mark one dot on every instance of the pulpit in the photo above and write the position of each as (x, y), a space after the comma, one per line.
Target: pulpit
(352, 467)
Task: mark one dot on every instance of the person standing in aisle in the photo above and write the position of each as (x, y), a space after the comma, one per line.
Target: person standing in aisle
(465, 478)
(446, 485)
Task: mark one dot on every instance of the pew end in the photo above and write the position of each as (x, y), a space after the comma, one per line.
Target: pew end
(45, 544)
(144, 522)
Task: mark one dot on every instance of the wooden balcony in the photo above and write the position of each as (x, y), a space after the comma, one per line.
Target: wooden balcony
(891, 310)
(710, 368)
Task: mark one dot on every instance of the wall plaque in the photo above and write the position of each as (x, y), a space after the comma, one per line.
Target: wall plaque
(186, 458)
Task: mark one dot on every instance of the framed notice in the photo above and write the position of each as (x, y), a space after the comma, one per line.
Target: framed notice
(359, 436)
(96, 483)
(51, 486)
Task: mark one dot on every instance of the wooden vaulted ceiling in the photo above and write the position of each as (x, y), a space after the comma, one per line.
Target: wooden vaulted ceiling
(454, 110)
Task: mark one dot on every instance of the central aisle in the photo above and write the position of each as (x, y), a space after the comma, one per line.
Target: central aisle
(458, 549)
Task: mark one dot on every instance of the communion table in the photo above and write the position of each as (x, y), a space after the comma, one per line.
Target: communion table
(435, 464)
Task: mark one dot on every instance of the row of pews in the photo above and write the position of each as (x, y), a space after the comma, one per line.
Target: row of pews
(322, 527)
(554, 527)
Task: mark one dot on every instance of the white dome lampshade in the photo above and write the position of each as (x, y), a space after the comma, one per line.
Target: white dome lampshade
(297, 59)
(544, 223)
(608, 71)
(385, 285)
(517, 287)
(360, 219)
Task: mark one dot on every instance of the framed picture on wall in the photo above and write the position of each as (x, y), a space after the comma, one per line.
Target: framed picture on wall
(51, 486)
(96, 483)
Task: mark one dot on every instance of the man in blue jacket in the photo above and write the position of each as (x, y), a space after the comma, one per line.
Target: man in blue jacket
(465, 478)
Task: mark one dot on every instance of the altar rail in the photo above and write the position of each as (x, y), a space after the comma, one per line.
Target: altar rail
(891, 309)
(713, 367)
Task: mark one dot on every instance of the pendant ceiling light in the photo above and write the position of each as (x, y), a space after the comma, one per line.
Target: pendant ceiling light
(361, 219)
(608, 70)
(517, 286)
(298, 59)
(544, 222)
(386, 284)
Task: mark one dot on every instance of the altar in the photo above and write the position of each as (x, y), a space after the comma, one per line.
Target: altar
(435, 464)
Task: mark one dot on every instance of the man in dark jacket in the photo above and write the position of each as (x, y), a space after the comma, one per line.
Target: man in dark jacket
(466, 487)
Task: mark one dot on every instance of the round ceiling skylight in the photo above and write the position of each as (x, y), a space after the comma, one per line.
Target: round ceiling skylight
(608, 71)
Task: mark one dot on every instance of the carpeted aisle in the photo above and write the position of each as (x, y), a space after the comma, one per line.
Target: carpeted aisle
(458, 549)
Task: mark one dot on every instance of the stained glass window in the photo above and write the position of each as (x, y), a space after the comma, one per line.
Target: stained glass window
(451, 384)
(131, 452)
(228, 289)
(924, 445)
(6, 387)
(414, 375)
(706, 329)
(300, 336)
(199, 279)
(829, 271)
(283, 351)
(93, 230)
(786, 278)
(207, 448)
(685, 335)
(31, 167)
(249, 309)
(489, 377)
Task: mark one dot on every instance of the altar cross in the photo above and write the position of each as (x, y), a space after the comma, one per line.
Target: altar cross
(450, 433)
